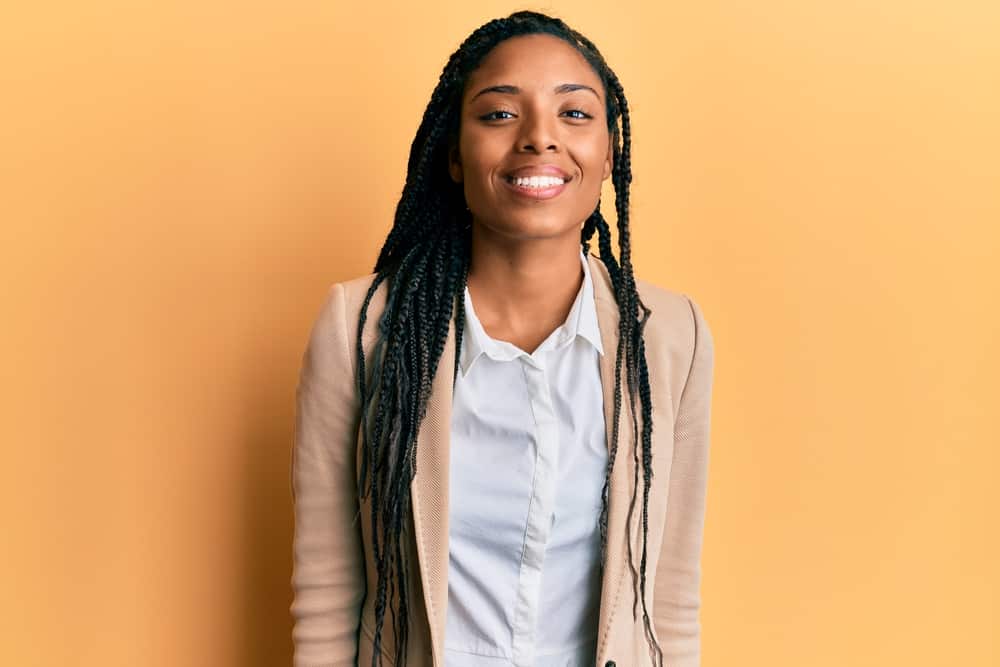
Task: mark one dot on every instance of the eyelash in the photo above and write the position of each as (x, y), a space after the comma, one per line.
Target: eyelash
(487, 117)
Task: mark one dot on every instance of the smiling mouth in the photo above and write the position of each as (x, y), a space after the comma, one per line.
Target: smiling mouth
(540, 182)
(536, 188)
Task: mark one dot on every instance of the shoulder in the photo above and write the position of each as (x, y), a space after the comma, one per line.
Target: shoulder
(354, 292)
(673, 313)
(333, 335)
(676, 328)
(344, 299)
(677, 333)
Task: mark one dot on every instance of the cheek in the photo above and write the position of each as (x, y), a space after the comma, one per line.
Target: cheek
(478, 149)
(594, 155)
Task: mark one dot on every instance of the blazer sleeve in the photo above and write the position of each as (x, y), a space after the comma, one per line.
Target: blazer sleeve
(328, 578)
(676, 598)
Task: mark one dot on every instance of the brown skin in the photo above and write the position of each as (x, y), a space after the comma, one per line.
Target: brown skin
(524, 270)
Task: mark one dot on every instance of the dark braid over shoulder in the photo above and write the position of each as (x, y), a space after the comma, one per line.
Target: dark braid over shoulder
(425, 261)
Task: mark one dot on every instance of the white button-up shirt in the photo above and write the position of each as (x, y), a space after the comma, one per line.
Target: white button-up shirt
(528, 461)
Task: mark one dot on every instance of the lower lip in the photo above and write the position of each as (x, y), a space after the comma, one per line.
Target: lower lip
(535, 193)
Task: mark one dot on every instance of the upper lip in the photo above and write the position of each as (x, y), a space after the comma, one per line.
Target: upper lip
(537, 170)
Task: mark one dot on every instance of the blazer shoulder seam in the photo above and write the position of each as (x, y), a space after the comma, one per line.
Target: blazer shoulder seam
(343, 317)
(694, 347)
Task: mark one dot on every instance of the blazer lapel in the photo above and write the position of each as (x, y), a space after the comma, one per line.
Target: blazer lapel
(616, 558)
(429, 497)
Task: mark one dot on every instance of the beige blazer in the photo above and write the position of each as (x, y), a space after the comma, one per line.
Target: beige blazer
(333, 567)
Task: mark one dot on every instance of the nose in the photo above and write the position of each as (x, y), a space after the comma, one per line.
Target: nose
(538, 133)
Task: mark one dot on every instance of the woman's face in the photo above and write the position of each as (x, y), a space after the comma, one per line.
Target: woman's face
(533, 108)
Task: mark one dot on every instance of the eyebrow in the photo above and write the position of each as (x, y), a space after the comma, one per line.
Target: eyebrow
(508, 89)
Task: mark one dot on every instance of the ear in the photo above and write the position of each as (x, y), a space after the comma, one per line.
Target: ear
(454, 161)
(609, 160)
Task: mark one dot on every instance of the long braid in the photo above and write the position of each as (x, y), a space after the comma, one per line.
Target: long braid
(637, 370)
(424, 265)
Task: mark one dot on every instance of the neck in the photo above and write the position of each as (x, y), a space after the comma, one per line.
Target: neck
(523, 289)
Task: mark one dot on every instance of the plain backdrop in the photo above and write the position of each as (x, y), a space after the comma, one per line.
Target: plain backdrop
(182, 181)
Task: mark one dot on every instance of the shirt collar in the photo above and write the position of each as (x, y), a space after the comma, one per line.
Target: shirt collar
(581, 321)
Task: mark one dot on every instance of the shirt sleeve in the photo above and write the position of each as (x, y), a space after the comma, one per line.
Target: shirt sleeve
(328, 578)
(676, 598)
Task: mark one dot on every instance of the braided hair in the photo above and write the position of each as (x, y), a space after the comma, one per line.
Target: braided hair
(424, 262)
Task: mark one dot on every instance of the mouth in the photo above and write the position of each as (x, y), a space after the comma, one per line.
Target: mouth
(537, 187)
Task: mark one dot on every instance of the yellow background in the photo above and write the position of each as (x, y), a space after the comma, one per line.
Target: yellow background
(182, 181)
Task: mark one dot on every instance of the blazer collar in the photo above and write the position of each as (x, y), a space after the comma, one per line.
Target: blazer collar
(429, 489)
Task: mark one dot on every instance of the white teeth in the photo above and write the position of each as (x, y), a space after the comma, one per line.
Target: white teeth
(538, 181)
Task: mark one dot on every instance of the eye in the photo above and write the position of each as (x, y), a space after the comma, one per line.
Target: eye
(582, 115)
(492, 115)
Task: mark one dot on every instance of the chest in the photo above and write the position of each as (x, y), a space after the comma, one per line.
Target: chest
(521, 431)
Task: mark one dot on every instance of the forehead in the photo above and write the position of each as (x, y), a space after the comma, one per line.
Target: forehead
(533, 62)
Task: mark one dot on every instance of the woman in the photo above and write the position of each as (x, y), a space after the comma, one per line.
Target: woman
(474, 417)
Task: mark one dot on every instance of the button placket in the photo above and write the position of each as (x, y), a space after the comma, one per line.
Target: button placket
(540, 510)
